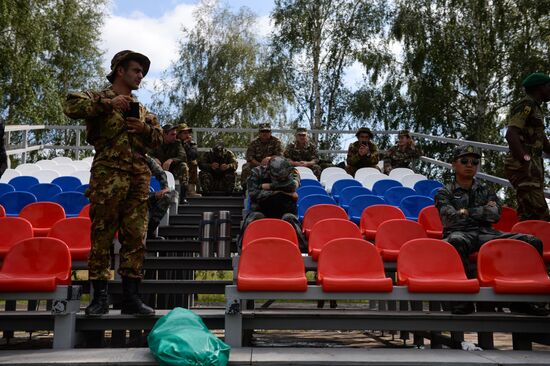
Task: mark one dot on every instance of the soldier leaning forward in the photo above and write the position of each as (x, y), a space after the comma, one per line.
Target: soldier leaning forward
(218, 167)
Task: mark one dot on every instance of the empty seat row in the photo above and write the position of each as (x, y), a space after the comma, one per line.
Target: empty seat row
(72, 202)
(25, 183)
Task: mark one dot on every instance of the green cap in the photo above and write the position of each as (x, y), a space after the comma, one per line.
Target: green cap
(463, 150)
(404, 133)
(535, 79)
(265, 127)
(301, 131)
(128, 55)
(364, 130)
(184, 127)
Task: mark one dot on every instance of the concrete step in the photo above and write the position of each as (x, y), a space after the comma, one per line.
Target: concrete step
(193, 246)
(234, 209)
(195, 219)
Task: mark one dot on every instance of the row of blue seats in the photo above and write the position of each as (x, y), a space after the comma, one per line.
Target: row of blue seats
(43, 191)
(72, 202)
(25, 182)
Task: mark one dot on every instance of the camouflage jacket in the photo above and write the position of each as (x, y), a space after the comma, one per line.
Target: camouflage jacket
(260, 175)
(157, 172)
(258, 150)
(357, 161)
(227, 157)
(106, 131)
(306, 153)
(450, 199)
(401, 158)
(190, 148)
(172, 151)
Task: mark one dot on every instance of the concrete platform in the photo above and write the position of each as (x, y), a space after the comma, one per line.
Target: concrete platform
(283, 356)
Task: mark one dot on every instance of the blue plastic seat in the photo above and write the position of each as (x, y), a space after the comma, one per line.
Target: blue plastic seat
(45, 191)
(433, 193)
(380, 187)
(310, 182)
(67, 183)
(359, 203)
(341, 184)
(82, 188)
(13, 202)
(309, 190)
(394, 195)
(155, 184)
(72, 202)
(425, 187)
(349, 193)
(23, 183)
(412, 205)
(5, 188)
(312, 200)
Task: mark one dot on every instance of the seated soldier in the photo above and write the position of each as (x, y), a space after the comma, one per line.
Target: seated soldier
(468, 208)
(190, 147)
(363, 152)
(171, 156)
(218, 168)
(403, 154)
(159, 202)
(303, 153)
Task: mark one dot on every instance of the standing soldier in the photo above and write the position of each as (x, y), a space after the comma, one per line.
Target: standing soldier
(121, 130)
(263, 147)
(524, 166)
(363, 152)
(218, 167)
(190, 147)
(402, 154)
(303, 153)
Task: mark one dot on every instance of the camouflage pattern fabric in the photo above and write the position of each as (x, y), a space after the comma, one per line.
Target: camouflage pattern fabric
(3, 155)
(258, 150)
(260, 175)
(216, 179)
(356, 161)
(295, 152)
(191, 153)
(158, 207)
(401, 157)
(467, 232)
(176, 152)
(527, 177)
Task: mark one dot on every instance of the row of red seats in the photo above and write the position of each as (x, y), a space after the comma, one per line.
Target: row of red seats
(423, 265)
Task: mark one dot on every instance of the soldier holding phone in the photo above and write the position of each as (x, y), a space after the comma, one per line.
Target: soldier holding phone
(363, 152)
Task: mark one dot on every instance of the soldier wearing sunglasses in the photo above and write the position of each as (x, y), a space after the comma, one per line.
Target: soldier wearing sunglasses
(468, 208)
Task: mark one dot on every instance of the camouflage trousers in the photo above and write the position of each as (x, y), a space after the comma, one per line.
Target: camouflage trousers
(118, 204)
(469, 242)
(180, 171)
(222, 181)
(245, 173)
(157, 209)
(193, 172)
(316, 170)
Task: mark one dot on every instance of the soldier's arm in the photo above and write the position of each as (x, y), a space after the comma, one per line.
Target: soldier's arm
(447, 212)
(152, 132)
(489, 212)
(278, 148)
(353, 157)
(180, 154)
(254, 185)
(250, 158)
(86, 104)
(157, 172)
(373, 157)
(232, 161)
(516, 122)
(205, 161)
(288, 186)
(514, 142)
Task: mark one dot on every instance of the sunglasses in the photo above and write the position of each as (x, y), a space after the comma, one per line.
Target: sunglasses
(473, 161)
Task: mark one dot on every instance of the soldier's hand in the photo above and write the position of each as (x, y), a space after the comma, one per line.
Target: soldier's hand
(266, 160)
(492, 204)
(166, 164)
(224, 167)
(134, 125)
(121, 102)
(363, 150)
(266, 186)
(160, 194)
(215, 165)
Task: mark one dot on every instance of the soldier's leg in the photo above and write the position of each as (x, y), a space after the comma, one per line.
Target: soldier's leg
(228, 182)
(245, 173)
(157, 210)
(531, 202)
(293, 220)
(465, 244)
(181, 171)
(529, 239)
(316, 170)
(206, 180)
(252, 216)
(193, 181)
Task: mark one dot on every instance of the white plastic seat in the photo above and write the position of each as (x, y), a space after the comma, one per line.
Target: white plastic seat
(411, 179)
(81, 165)
(27, 169)
(9, 174)
(62, 160)
(369, 180)
(46, 164)
(308, 176)
(363, 172)
(330, 171)
(171, 180)
(304, 170)
(334, 178)
(83, 175)
(89, 160)
(45, 175)
(240, 163)
(399, 173)
(65, 169)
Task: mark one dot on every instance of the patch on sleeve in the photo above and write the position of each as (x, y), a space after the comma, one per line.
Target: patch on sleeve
(526, 110)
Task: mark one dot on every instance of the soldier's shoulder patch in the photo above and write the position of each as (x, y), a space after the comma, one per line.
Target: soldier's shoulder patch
(526, 110)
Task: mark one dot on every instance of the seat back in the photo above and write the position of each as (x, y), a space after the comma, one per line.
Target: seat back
(46, 164)
(23, 183)
(339, 185)
(67, 183)
(61, 160)
(309, 190)
(398, 173)
(369, 180)
(381, 186)
(538, 228)
(14, 202)
(154, 184)
(72, 202)
(27, 169)
(45, 191)
(5, 188)
(85, 212)
(312, 200)
(8, 175)
(350, 257)
(392, 234)
(394, 195)
(375, 215)
(412, 205)
(12, 231)
(326, 230)
(82, 175)
(310, 182)
(359, 203)
(333, 178)
(363, 172)
(81, 165)
(329, 171)
(265, 228)
(42, 214)
(304, 170)
(425, 187)
(321, 212)
(411, 179)
(508, 218)
(64, 169)
(74, 231)
(82, 188)
(349, 193)
(45, 176)
(429, 218)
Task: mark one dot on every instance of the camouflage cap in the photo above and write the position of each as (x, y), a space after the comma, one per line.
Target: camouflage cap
(219, 145)
(265, 127)
(184, 127)
(128, 55)
(279, 168)
(464, 150)
(535, 79)
(404, 133)
(168, 127)
(301, 131)
(364, 130)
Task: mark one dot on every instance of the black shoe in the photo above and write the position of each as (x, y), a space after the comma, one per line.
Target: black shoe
(131, 302)
(100, 302)
(529, 309)
(462, 308)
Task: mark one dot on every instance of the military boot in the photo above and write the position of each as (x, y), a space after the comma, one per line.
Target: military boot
(183, 195)
(100, 302)
(131, 302)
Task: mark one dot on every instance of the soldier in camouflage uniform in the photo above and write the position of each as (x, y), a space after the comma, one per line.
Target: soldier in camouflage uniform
(171, 156)
(3, 155)
(272, 190)
(264, 146)
(362, 153)
(303, 153)
(160, 201)
(190, 147)
(403, 154)
(218, 168)
(468, 209)
(119, 183)
(524, 165)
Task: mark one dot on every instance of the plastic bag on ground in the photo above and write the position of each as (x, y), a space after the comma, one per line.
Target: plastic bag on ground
(180, 338)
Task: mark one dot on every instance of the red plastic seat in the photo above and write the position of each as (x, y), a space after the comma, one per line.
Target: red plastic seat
(432, 265)
(271, 264)
(267, 228)
(538, 228)
(431, 222)
(508, 218)
(351, 265)
(374, 215)
(513, 267)
(2, 211)
(85, 212)
(328, 229)
(42, 216)
(76, 233)
(12, 231)
(317, 213)
(36, 265)
(392, 234)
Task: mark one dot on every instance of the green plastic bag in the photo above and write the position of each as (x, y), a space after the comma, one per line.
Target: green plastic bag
(180, 338)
